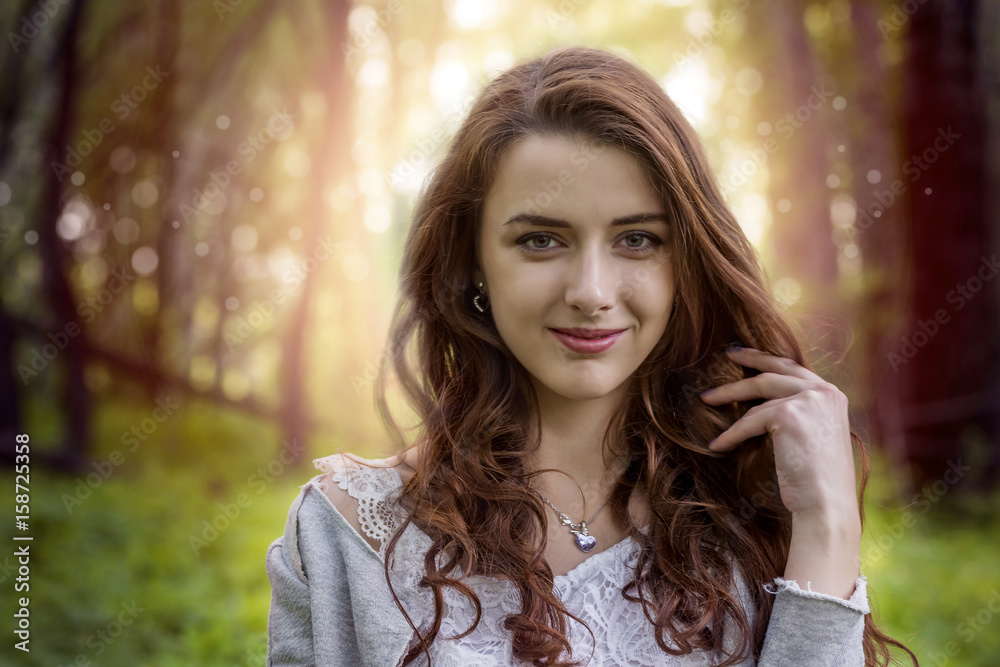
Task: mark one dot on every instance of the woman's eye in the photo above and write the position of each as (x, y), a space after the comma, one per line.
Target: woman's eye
(535, 242)
(639, 238)
(635, 242)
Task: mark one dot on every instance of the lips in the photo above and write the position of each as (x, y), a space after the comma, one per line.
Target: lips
(588, 333)
(587, 341)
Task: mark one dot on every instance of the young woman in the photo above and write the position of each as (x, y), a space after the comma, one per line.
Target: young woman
(598, 478)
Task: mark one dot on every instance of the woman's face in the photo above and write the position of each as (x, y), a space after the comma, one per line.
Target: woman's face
(574, 236)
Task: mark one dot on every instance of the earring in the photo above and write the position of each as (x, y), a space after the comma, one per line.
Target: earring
(477, 300)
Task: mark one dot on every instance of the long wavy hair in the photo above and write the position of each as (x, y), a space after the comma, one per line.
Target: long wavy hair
(475, 402)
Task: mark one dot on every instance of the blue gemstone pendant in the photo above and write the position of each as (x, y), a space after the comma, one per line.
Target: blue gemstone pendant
(583, 540)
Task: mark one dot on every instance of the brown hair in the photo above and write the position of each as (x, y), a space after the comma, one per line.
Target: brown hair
(475, 401)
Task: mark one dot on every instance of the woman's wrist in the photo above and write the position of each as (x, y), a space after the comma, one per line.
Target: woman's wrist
(825, 553)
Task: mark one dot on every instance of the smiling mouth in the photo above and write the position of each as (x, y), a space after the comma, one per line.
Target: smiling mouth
(587, 341)
(589, 334)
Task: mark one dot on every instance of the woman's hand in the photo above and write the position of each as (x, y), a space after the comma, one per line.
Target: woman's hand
(808, 422)
(807, 419)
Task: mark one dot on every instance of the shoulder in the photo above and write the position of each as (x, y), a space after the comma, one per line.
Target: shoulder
(356, 486)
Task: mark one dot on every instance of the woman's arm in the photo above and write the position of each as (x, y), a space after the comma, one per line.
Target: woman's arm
(289, 623)
(810, 628)
(825, 550)
(818, 615)
(331, 605)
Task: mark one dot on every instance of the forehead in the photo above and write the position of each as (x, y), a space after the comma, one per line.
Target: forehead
(570, 178)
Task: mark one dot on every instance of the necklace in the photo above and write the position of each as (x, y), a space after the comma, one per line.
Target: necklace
(584, 540)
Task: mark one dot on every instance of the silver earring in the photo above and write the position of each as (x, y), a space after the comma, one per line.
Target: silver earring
(477, 300)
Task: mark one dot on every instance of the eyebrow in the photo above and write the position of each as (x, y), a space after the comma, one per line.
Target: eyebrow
(546, 221)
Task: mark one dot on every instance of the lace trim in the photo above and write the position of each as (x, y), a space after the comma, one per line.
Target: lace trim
(858, 600)
(375, 489)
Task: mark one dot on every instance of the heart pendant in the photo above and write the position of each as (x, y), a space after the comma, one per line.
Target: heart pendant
(585, 542)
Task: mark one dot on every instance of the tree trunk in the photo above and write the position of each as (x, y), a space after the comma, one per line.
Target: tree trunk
(797, 107)
(874, 147)
(328, 163)
(75, 408)
(948, 351)
(162, 143)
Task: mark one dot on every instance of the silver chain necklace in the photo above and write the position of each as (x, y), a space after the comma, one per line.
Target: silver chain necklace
(583, 539)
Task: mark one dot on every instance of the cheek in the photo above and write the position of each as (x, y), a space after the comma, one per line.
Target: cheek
(648, 282)
(650, 292)
(517, 304)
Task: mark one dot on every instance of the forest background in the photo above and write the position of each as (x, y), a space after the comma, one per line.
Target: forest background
(202, 212)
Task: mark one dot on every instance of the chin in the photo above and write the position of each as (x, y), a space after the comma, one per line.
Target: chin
(583, 390)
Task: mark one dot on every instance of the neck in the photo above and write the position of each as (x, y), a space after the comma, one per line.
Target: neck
(572, 443)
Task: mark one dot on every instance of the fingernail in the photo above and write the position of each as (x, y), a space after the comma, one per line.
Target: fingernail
(708, 391)
(734, 347)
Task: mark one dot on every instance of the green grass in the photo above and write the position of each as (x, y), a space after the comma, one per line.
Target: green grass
(130, 540)
(931, 567)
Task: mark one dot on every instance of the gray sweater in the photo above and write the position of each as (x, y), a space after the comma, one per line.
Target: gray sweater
(331, 605)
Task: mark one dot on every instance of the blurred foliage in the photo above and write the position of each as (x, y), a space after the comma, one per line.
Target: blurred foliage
(207, 259)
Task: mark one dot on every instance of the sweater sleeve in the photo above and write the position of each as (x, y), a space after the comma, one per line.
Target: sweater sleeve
(289, 623)
(815, 629)
(331, 605)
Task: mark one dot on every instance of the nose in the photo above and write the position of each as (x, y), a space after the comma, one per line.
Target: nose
(591, 282)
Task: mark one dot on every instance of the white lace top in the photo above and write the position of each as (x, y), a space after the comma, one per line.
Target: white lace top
(592, 590)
